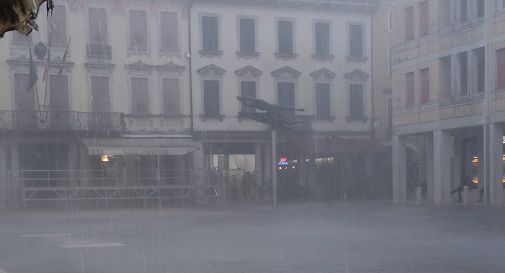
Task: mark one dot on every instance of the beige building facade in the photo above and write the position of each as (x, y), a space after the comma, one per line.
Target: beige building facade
(448, 73)
(147, 90)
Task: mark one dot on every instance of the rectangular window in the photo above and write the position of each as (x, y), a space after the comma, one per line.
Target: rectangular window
(322, 39)
(169, 31)
(409, 23)
(100, 96)
(409, 89)
(323, 100)
(444, 77)
(140, 96)
(98, 30)
(24, 98)
(356, 41)
(58, 26)
(356, 102)
(138, 30)
(248, 90)
(171, 97)
(444, 14)
(480, 69)
(58, 93)
(424, 18)
(247, 35)
(285, 37)
(211, 98)
(210, 34)
(500, 68)
(286, 96)
(463, 11)
(463, 73)
(424, 97)
(481, 5)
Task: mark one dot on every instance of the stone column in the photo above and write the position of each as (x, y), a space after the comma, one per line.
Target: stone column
(4, 177)
(83, 166)
(399, 169)
(441, 166)
(199, 170)
(429, 166)
(496, 164)
(457, 167)
(258, 163)
(14, 191)
(73, 164)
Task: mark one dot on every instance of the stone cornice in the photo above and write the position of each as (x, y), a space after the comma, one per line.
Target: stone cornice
(364, 6)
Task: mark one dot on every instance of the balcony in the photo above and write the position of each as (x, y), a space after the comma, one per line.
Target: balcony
(99, 51)
(61, 121)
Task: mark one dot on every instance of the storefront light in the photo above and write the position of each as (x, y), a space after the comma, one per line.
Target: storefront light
(475, 160)
(475, 180)
(104, 158)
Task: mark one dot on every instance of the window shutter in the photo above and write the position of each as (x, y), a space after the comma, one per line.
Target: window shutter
(286, 95)
(424, 20)
(171, 97)
(248, 90)
(425, 86)
(24, 98)
(500, 56)
(356, 40)
(285, 37)
(322, 39)
(210, 33)
(138, 29)
(356, 101)
(140, 96)
(100, 101)
(409, 87)
(323, 100)
(169, 31)
(98, 30)
(58, 93)
(247, 36)
(409, 23)
(211, 98)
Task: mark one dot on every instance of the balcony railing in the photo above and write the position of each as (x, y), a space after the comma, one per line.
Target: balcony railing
(99, 51)
(61, 120)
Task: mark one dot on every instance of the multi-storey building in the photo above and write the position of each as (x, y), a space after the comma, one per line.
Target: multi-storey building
(448, 77)
(314, 55)
(145, 89)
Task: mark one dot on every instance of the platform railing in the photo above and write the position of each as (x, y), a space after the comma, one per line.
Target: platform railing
(66, 186)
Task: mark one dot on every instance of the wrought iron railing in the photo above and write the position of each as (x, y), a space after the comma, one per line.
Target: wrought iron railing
(99, 51)
(61, 120)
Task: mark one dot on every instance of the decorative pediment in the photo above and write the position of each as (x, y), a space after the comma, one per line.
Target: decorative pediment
(357, 75)
(140, 65)
(170, 67)
(211, 70)
(286, 72)
(248, 71)
(323, 74)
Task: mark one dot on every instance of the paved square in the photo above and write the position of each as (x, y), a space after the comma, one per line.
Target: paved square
(308, 238)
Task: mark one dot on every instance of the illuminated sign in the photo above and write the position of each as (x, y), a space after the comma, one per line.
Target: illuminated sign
(283, 161)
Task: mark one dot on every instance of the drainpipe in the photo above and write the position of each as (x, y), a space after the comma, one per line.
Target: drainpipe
(190, 62)
(372, 123)
(488, 145)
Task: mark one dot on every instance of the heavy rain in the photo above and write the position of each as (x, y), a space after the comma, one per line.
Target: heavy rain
(247, 136)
